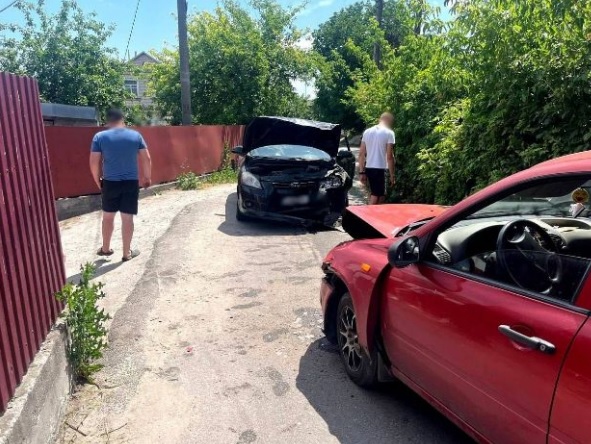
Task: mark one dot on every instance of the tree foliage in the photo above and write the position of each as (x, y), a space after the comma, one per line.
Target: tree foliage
(343, 42)
(504, 86)
(241, 65)
(66, 52)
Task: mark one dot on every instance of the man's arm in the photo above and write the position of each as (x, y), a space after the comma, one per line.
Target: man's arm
(391, 163)
(362, 157)
(95, 167)
(146, 167)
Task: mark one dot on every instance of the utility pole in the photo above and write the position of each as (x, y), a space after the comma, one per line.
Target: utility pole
(377, 50)
(187, 117)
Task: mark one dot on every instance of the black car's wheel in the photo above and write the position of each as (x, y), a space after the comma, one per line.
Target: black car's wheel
(240, 216)
(360, 367)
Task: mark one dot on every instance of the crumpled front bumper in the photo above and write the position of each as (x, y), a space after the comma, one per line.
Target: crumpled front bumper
(293, 205)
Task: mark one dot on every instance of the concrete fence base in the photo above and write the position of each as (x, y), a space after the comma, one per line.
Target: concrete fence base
(35, 414)
(77, 206)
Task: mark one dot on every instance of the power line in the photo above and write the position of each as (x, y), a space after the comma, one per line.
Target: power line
(137, 7)
(9, 6)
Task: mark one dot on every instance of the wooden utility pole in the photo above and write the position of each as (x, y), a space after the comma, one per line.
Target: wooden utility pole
(377, 50)
(187, 117)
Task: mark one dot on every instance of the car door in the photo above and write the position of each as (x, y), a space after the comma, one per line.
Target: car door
(570, 421)
(447, 332)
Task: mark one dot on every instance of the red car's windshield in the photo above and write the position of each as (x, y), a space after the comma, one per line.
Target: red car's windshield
(554, 198)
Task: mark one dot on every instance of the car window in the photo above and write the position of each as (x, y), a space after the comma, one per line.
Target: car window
(536, 240)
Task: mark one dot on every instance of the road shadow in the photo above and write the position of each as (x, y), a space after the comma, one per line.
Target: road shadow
(390, 414)
(102, 267)
(232, 227)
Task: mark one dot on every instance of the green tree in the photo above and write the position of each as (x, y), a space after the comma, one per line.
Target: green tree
(343, 63)
(505, 85)
(241, 65)
(66, 52)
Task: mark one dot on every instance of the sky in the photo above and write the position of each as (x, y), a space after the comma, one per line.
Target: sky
(156, 24)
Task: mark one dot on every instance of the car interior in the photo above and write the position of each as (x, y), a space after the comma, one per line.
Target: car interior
(537, 239)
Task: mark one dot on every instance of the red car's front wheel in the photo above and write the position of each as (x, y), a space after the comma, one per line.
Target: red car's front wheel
(360, 367)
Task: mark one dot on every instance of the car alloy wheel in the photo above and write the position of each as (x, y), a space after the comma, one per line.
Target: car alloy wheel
(361, 367)
(349, 340)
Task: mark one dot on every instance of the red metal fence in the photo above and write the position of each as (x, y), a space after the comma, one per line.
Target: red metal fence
(31, 266)
(173, 149)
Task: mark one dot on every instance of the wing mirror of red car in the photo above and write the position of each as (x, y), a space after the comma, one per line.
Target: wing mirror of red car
(404, 252)
(238, 150)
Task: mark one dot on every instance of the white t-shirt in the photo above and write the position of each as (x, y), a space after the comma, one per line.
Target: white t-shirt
(376, 140)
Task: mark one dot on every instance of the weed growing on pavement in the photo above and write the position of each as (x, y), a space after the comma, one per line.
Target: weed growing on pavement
(188, 181)
(226, 175)
(85, 324)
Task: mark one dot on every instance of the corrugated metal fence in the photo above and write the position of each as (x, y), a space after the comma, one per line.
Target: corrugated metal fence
(174, 150)
(31, 266)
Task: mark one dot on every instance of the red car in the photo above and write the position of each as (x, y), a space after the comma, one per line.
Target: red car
(482, 308)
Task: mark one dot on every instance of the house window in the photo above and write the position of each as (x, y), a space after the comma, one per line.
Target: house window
(132, 87)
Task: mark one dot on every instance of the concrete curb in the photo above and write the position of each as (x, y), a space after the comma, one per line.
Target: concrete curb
(77, 206)
(35, 414)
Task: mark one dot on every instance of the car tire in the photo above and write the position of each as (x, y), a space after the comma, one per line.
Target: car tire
(240, 216)
(361, 368)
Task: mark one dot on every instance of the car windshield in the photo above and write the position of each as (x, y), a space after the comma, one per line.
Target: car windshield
(291, 152)
(556, 198)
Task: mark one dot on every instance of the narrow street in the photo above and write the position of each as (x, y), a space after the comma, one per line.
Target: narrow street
(216, 338)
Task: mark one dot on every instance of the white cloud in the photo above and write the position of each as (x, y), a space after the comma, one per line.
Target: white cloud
(318, 5)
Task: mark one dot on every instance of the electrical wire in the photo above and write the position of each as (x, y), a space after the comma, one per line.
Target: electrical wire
(137, 7)
(9, 6)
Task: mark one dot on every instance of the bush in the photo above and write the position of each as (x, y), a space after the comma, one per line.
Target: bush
(85, 323)
(188, 181)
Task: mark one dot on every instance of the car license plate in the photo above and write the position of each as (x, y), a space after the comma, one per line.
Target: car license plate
(295, 200)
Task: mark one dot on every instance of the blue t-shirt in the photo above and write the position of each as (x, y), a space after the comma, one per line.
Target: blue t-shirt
(120, 148)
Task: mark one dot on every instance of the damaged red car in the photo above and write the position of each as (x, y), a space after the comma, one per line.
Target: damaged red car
(482, 308)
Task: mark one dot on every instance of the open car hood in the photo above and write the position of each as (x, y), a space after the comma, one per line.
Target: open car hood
(265, 131)
(377, 221)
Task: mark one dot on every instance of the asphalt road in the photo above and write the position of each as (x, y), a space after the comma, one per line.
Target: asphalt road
(216, 338)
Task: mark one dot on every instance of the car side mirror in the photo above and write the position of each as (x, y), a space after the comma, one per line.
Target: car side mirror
(404, 252)
(238, 150)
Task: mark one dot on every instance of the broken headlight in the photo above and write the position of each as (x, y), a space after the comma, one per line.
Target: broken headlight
(250, 180)
(332, 182)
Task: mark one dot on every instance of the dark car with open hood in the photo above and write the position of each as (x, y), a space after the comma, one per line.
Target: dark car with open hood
(292, 170)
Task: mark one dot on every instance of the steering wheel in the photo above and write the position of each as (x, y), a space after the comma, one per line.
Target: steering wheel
(529, 256)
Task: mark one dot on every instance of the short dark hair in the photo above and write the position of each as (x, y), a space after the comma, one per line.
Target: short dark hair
(115, 115)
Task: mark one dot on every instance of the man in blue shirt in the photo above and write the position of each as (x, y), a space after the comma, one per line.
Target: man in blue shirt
(119, 152)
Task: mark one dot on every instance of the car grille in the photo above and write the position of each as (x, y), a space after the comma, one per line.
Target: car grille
(296, 185)
(441, 255)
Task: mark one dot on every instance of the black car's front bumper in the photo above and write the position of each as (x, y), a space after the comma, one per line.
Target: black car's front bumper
(294, 202)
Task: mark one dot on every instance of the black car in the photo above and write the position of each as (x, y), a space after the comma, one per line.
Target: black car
(292, 170)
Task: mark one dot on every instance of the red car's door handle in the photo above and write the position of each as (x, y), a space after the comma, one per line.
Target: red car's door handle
(530, 342)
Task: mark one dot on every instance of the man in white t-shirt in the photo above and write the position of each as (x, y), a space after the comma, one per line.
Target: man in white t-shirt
(377, 156)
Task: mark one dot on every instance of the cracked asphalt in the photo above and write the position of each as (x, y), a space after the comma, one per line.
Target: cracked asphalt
(215, 338)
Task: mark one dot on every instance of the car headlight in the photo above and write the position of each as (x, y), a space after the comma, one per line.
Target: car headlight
(332, 182)
(250, 180)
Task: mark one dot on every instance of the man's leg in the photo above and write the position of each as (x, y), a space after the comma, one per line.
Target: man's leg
(129, 207)
(108, 227)
(127, 227)
(374, 200)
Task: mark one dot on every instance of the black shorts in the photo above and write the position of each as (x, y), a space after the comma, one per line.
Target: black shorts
(121, 196)
(376, 178)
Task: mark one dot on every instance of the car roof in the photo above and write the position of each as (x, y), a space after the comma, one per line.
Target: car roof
(572, 163)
